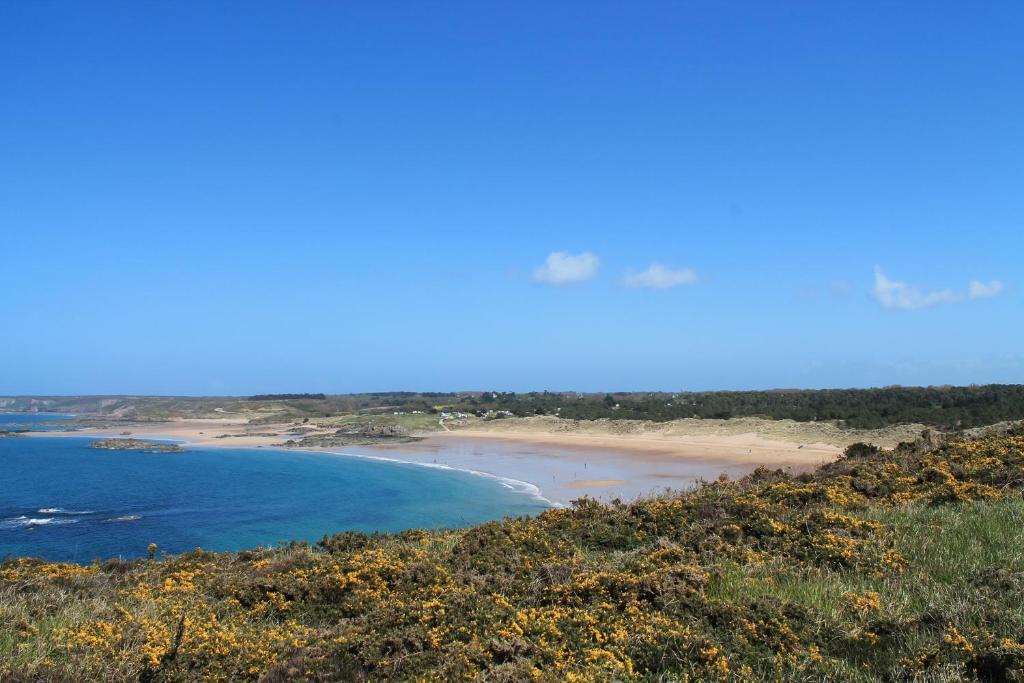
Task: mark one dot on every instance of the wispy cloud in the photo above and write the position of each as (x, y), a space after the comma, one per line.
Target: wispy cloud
(561, 268)
(895, 295)
(984, 290)
(658, 276)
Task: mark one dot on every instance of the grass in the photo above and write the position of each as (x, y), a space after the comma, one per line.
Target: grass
(954, 553)
(412, 422)
(946, 547)
(954, 543)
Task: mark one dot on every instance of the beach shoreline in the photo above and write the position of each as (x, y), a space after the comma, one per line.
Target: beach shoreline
(561, 465)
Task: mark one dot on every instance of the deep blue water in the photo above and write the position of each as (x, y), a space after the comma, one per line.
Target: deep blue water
(61, 500)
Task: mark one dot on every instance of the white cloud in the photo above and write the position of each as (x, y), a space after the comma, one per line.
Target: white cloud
(562, 269)
(895, 295)
(660, 277)
(984, 290)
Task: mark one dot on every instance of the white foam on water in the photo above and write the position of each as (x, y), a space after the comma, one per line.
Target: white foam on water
(517, 485)
(125, 518)
(24, 521)
(62, 511)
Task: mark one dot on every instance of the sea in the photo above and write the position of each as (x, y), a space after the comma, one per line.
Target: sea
(61, 500)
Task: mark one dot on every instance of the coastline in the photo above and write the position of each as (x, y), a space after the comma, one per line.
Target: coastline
(567, 469)
(518, 485)
(553, 466)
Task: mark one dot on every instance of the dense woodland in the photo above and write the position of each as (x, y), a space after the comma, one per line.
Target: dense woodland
(948, 408)
(287, 397)
(944, 407)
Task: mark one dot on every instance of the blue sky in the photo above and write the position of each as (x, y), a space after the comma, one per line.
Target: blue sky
(202, 198)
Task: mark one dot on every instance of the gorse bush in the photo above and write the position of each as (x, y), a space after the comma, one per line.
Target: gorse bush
(884, 565)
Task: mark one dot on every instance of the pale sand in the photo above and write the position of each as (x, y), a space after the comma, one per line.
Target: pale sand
(595, 483)
(564, 465)
(734, 448)
(786, 431)
(197, 432)
(566, 468)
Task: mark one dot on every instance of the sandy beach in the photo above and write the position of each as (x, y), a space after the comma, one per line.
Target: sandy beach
(564, 464)
(565, 469)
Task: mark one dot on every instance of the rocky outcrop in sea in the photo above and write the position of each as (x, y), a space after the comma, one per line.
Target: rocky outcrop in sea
(136, 445)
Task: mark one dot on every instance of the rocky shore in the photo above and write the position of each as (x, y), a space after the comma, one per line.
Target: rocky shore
(363, 434)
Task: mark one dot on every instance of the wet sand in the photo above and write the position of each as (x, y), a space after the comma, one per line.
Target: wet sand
(565, 472)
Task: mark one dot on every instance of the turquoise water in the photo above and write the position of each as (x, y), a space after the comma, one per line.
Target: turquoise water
(61, 500)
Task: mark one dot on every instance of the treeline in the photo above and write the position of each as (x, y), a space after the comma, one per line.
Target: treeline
(942, 407)
(286, 397)
(947, 408)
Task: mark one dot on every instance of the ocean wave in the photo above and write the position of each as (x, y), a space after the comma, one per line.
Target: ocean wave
(24, 521)
(516, 485)
(125, 518)
(62, 511)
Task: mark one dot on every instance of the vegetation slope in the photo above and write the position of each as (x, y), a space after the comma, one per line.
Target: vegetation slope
(885, 565)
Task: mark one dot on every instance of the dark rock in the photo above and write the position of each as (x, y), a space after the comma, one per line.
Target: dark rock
(136, 445)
